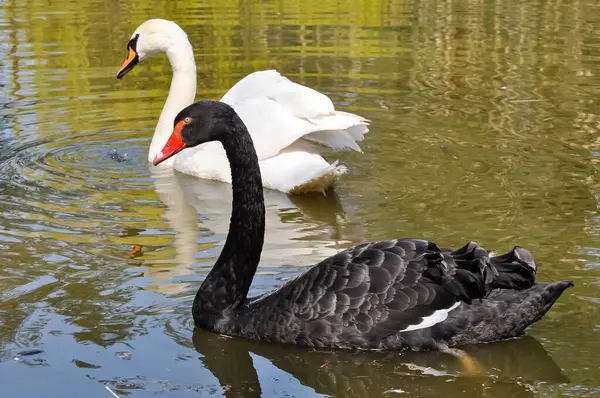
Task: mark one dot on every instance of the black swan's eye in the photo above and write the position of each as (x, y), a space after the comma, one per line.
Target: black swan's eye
(187, 120)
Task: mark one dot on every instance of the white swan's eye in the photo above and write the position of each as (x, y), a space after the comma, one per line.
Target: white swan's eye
(187, 120)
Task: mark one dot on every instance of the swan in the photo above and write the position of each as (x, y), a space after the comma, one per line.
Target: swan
(288, 122)
(395, 294)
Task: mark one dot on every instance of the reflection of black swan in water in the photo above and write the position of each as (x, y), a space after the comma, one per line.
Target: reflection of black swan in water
(378, 295)
(510, 366)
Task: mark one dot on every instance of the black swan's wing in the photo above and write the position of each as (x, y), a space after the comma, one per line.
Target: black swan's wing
(377, 289)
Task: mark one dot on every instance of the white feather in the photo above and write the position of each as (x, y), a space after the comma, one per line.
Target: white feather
(290, 171)
(437, 317)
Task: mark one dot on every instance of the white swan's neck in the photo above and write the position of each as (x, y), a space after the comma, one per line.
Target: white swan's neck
(181, 94)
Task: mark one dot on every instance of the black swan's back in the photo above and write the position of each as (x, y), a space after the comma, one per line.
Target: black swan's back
(391, 294)
(399, 294)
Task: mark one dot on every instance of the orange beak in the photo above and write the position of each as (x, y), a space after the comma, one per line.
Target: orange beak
(130, 62)
(173, 146)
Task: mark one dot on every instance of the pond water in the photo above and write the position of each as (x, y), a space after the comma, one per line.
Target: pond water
(485, 127)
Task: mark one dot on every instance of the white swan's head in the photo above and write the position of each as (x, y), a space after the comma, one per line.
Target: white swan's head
(151, 37)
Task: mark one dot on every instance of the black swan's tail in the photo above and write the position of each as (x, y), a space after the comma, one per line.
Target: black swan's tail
(550, 293)
(521, 308)
(503, 314)
(500, 295)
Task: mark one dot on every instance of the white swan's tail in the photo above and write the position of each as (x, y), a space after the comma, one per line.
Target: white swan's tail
(298, 172)
(321, 180)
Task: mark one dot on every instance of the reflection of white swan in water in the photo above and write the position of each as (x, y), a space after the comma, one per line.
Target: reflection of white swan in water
(299, 230)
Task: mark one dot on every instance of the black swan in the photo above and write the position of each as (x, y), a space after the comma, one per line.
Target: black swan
(396, 294)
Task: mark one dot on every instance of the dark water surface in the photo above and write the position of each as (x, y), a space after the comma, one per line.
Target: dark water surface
(485, 127)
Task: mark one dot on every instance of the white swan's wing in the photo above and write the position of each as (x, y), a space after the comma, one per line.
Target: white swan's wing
(271, 125)
(270, 84)
(278, 112)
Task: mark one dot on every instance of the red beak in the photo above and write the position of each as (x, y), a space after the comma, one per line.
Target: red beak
(173, 146)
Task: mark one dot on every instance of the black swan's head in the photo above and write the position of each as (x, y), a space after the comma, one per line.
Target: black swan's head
(197, 124)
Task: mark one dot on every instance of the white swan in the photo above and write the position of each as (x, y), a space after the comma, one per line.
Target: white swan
(265, 100)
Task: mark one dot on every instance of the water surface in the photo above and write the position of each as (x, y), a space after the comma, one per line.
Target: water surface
(485, 127)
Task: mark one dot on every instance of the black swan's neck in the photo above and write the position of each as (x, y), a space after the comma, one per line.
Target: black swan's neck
(227, 284)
